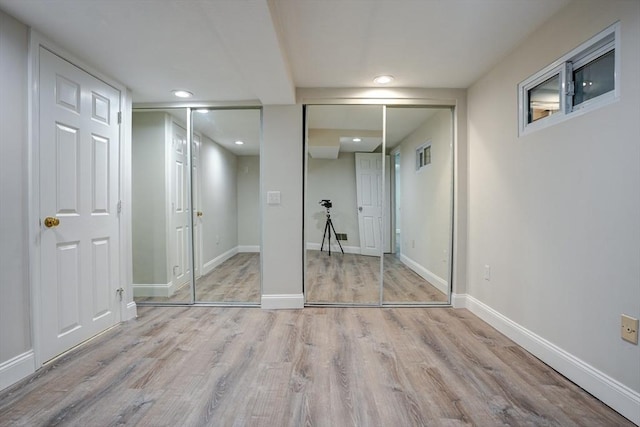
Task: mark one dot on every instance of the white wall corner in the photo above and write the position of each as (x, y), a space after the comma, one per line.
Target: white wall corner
(605, 388)
(16, 369)
(282, 301)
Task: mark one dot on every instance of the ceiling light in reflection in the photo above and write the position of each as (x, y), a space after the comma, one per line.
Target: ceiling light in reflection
(239, 142)
(383, 80)
(182, 93)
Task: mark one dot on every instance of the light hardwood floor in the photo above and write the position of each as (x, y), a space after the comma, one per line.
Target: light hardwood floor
(355, 279)
(235, 280)
(225, 366)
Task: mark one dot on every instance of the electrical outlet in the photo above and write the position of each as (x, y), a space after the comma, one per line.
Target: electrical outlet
(629, 330)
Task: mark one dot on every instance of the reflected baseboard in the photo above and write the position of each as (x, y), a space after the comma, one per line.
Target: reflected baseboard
(248, 248)
(209, 266)
(164, 290)
(334, 248)
(437, 281)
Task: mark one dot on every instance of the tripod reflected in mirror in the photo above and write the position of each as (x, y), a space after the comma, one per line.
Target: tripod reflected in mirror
(328, 227)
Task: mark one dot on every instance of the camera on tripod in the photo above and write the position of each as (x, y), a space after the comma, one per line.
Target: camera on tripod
(326, 203)
(328, 227)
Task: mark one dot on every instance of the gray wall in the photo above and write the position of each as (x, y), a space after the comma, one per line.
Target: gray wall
(149, 210)
(219, 199)
(248, 179)
(426, 196)
(15, 314)
(556, 213)
(281, 165)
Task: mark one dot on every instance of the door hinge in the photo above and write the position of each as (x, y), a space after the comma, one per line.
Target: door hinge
(119, 208)
(119, 117)
(120, 291)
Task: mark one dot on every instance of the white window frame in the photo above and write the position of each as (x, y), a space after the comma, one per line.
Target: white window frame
(420, 160)
(601, 43)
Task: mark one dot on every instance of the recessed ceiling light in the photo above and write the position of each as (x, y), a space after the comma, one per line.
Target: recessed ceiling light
(239, 142)
(356, 140)
(182, 93)
(383, 80)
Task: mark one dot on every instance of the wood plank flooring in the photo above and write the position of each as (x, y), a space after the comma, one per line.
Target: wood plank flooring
(226, 366)
(355, 279)
(235, 280)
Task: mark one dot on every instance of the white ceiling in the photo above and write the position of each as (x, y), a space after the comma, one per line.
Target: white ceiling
(261, 50)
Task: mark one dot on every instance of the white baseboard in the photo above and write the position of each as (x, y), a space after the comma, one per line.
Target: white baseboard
(164, 290)
(610, 391)
(334, 248)
(209, 266)
(248, 248)
(130, 311)
(282, 301)
(438, 282)
(17, 368)
(458, 300)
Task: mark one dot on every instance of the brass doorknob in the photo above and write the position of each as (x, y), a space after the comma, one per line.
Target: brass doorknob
(51, 222)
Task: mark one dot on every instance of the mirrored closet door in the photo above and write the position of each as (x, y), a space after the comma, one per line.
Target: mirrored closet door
(417, 269)
(378, 205)
(161, 212)
(226, 200)
(196, 211)
(344, 204)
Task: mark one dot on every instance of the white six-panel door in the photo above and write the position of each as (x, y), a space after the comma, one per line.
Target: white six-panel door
(180, 210)
(369, 198)
(79, 175)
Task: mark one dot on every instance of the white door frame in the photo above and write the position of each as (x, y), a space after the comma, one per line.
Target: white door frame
(127, 307)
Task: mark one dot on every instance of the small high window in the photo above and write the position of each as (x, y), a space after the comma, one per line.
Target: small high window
(584, 79)
(423, 155)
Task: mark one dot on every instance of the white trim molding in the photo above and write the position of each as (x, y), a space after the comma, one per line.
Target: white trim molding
(248, 248)
(610, 391)
(437, 281)
(164, 290)
(282, 301)
(209, 266)
(16, 369)
(130, 311)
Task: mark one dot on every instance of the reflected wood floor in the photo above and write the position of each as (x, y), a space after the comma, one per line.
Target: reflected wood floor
(355, 279)
(235, 280)
(224, 366)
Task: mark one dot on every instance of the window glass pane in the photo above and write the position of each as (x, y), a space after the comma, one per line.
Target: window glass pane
(594, 79)
(544, 99)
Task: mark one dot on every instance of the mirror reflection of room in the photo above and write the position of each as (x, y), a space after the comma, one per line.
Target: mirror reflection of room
(344, 168)
(225, 264)
(390, 233)
(160, 211)
(226, 198)
(420, 144)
